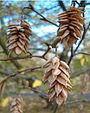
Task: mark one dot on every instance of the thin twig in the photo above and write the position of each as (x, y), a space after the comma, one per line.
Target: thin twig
(40, 93)
(83, 37)
(49, 9)
(82, 53)
(37, 91)
(70, 56)
(75, 1)
(3, 82)
(23, 70)
(79, 72)
(62, 5)
(43, 18)
(77, 101)
(55, 110)
(48, 49)
(20, 57)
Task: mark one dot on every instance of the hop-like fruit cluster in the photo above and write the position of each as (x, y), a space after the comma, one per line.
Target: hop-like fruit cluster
(58, 78)
(18, 37)
(16, 105)
(71, 25)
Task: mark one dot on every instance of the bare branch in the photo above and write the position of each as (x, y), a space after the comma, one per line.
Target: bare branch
(40, 93)
(79, 72)
(83, 37)
(77, 101)
(3, 82)
(23, 70)
(48, 49)
(72, 102)
(56, 107)
(60, 2)
(43, 18)
(20, 57)
(71, 56)
(82, 53)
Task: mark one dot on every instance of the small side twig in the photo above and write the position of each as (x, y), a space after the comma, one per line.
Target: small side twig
(70, 56)
(43, 18)
(56, 107)
(48, 49)
(40, 93)
(21, 57)
(3, 82)
(82, 53)
(2, 86)
(83, 37)
(77, 101)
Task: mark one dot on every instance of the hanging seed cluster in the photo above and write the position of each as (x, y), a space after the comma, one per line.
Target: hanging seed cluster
(71, 25)
(58, 78)
(16, 105)
(18, 37)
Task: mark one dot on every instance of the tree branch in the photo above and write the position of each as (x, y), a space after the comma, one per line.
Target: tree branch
(48, 49)
(20, 57)
(43, 18)
(79, 72)
(83, 37)
(77, 101)
(71, 56)
(60, 2)
(82, 53)
(40, 93)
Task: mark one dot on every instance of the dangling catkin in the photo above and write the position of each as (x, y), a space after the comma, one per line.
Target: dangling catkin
(16, 106)
(18, 37)
(70, 26)
(59, 80)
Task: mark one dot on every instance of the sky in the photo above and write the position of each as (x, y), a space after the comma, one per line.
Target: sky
(45, 29)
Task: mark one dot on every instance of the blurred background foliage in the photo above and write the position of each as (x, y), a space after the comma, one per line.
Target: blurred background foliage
(11, 12)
